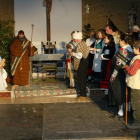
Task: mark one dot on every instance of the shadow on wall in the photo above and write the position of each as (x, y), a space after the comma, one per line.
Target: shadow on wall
(62, 47)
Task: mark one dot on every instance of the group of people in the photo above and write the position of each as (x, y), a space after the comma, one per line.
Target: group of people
(112, 59)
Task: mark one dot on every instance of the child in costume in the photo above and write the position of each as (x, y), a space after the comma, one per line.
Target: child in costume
(132, 80)
(69, 66)
(3, 75)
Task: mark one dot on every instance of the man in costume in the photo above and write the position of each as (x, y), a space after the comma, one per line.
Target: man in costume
(21, 48)
(113, 30)
(81, 63)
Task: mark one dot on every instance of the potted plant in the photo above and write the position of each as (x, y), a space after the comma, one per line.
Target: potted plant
(87, 30)
(6, 37)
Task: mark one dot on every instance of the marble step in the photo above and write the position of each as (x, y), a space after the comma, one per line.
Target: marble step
(4, 94)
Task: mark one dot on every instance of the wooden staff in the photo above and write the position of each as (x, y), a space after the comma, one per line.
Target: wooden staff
(70, 70)
(126, 106)
(32, 32)
(30, 73)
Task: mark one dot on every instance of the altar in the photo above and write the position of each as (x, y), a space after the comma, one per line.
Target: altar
(38, 60)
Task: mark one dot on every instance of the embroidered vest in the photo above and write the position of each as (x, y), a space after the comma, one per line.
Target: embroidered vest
(133, 81)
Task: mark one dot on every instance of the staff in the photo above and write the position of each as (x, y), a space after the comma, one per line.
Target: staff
(30, 73)
(126, 106)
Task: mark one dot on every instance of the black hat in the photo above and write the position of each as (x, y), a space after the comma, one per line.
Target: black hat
(111, 25)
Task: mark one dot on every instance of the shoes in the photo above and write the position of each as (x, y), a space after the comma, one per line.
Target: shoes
(88, 80)
(116, 116)
(134, 126)
(96, 80)
(81, 98)
(119, 116)
(105, 97)
(69, 87)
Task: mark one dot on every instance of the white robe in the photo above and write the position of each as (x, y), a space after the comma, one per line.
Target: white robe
(3, 76)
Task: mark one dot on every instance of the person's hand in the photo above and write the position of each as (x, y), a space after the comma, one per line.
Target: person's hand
(1, 67)
(124, 66)
(112, 79)
(94, 49)
(91, 49)
(31, 44)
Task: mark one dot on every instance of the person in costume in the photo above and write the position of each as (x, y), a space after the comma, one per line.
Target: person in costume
(99, 44)
(3, 75)
(132, 80)
(113, 30)
(106, 57)
(69, 65)
(20, 49)
(91, 43)
(123, 56)
(81, 63)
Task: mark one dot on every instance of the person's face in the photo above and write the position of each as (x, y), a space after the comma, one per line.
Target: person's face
(21, 35)
(100, 35)
(108, 30)
(122, 43)
(136, 51)
(69, 50)
(135, 30)
(106, 40)
(91, 34)
(76, 40)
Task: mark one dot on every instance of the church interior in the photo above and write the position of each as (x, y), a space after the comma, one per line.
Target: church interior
(48, 25)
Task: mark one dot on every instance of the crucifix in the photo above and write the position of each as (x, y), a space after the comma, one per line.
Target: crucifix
(48, 5)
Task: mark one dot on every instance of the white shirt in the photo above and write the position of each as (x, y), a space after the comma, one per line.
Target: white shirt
(89, 42)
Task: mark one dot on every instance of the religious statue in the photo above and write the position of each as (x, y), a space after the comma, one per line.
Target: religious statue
(132, 15)
(87, 8)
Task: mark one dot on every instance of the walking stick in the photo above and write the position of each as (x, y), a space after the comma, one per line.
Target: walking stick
(30, 73)
(126, 106)
(65, 73)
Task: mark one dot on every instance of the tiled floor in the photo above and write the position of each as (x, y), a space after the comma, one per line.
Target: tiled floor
(54, 121)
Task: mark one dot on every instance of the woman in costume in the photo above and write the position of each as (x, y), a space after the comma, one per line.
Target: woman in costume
(123, 56)
(91, 43)
(106, 57)
(99, 44)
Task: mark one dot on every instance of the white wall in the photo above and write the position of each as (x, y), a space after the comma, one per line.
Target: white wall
(66, 16)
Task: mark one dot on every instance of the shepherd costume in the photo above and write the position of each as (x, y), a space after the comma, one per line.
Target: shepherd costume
(132, 80)
(20, 52)
(81, 62)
